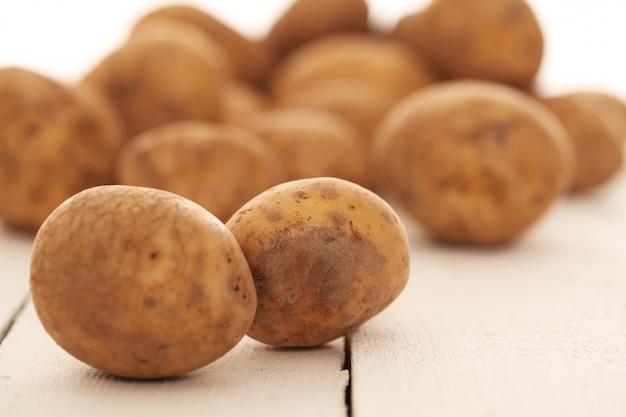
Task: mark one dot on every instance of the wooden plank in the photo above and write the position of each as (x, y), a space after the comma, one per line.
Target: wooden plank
(37, 378)
(534, 329)
(15, 250)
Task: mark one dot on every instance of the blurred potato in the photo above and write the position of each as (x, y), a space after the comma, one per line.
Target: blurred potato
(152, 82)
(249, 59)
(313, 143)
(607, 107)
(306, 20)
(599, 154)
(217, 166)
(383, 62)
(362, 104)
(54, 142)
(473, 162)
(498, 40)
(241, 101)
(165, 29)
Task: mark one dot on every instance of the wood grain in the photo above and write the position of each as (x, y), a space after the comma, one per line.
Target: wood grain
(15, 250)
(534, 329)
(37, 378)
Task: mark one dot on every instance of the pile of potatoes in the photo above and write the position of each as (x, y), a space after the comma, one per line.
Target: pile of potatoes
(288, 152)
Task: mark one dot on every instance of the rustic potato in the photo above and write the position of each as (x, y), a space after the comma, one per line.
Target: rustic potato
(599, 155)
(313, 143)
(218, 167)
(306, 20)
(473, 162)
(154, 82)
(54, 142)
(386, 63)
(498, 40)
(362, 104)
(140, 283)
(326, 255)
(608, 108)
(249, 59)
(162, 28)
(241, 101)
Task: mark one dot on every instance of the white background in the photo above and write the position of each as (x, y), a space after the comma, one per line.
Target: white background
(585, 39)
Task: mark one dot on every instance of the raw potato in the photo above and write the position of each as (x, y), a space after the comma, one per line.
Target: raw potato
(473, 162)
(219, 167)
(54, 142)
(306, 20)
(154, 82)
(599, 154)
(326, 255)
(241, 101)
(498, 40)
(165, 29)
(383, 62)
(140, 283)
(610, 109)
(362, 104)
(313, 143)
(249, 59)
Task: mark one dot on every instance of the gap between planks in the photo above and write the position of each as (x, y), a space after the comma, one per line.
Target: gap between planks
(4, 331)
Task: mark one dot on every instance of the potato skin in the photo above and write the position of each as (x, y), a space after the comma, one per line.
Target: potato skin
(140, 283)
(249, 59)
(326, 255)
(598, 152)
(383, 62)
(473, 162)
(54, 142)
(217, 166)
(154, 82)
(314, 143)
(306, 20)
(608, 108)
(497, 40)
(362, 104)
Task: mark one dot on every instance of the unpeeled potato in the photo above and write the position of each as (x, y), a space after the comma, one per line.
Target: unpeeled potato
(140, 283)
(608, 108)
(362, 104)
(497, 40)
(54, 142)
(219, 167)
(249, 59)
(383, 62)
(306, 20)
(313, 143)
(152, 82)
(326, 255)
(473, 162)
(598, 152)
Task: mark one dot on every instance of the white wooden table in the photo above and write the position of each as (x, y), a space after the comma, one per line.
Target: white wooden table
(534, 329)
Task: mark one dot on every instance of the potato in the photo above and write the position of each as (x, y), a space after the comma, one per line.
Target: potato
(362, 104)
(241, 101)
(162, 28)
(306, 20)
(498, 40)
(326, 255)
(156, 81)
(473, 162)
(218, 167)
(599, 155)
(140, 283)
(314, 143)
(54, 142)
(249, 59)
(608, 108)
(383, 62)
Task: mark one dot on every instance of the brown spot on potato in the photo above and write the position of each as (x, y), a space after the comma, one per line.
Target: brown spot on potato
(272, 215)
(149, 302)
(328, 193)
